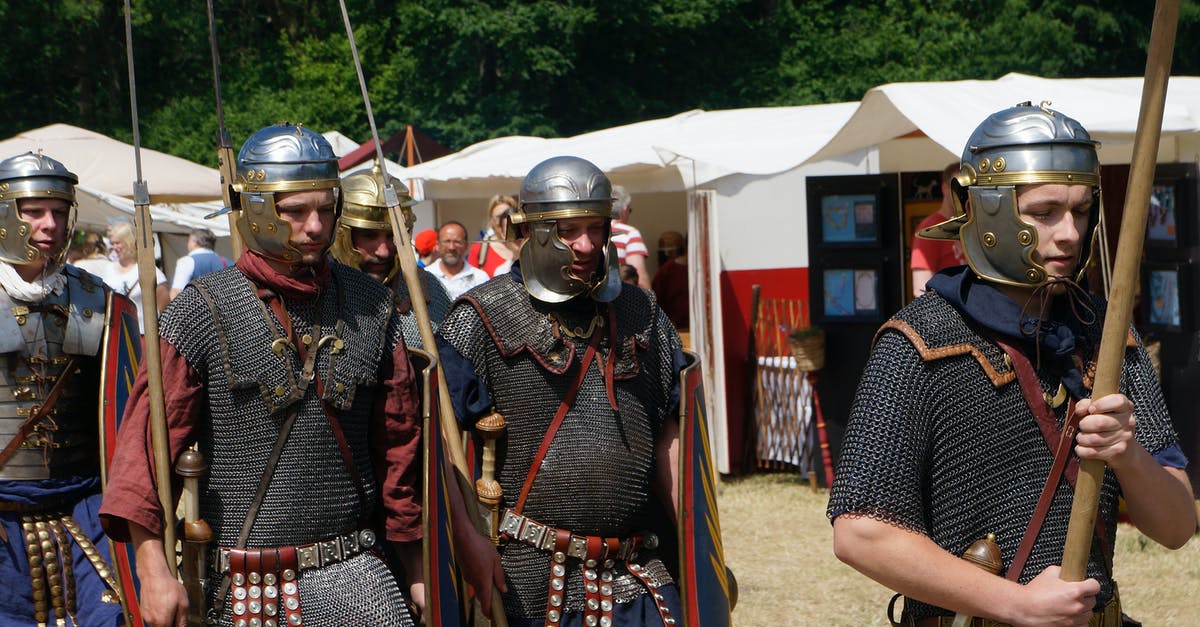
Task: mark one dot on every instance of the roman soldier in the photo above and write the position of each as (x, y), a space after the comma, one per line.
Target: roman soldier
(962, 427)
(577, 374)
(56, 562)
(363, 240)
(290, 373)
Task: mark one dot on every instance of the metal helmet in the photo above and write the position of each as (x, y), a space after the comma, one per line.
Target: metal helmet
(280, 158)
(364, 206)
(1022, 145)
(556, 189)
(31, 175)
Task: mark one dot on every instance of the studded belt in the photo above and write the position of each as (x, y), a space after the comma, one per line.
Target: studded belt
(263, 582)
(315, 555)
(598, 556)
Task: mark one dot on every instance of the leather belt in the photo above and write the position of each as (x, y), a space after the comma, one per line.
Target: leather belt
(598, 556)
(315, 555)
(528, 531)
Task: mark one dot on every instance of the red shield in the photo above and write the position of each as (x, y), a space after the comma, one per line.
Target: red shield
(706, 587)
(121, 354)
(444, 604)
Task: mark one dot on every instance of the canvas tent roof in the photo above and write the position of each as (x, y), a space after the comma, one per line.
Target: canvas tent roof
(182, 191)
(947, 112)
(667, 154)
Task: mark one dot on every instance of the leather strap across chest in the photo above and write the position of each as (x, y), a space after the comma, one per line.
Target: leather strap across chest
(1061, 444)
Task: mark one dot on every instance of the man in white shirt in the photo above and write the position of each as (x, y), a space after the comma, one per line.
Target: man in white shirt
(452, 268)
(199, 261)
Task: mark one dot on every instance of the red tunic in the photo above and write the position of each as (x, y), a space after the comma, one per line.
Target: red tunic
(131, 495)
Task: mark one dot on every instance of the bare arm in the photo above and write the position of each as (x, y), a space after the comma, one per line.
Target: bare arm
(639, 262)
(666, 480)
(163, 601)
(915, 566)
(1159, 499)
(410, 558)
(162, 296)
(920, 277)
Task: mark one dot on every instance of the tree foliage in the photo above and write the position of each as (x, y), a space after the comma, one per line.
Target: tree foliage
(469, 70)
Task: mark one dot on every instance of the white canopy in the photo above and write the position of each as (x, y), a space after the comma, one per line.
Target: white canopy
(668, 154)
(947, 112)
(182, 192)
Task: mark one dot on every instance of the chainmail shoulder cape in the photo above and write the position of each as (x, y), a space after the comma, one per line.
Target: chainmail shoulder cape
(940, 441)
(216, 323)
(436, 299)
(597, 477)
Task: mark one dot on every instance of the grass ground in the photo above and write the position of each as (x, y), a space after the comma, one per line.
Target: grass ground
(780, 546)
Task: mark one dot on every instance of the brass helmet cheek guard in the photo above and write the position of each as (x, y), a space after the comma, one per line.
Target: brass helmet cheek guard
(1022, 145)
(364, 206)
(31, 175)
(276, 159)
(562, 188)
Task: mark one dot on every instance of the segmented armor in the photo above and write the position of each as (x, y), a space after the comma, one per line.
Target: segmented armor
(38, 340)
(597, 477)
(941, 441)
(221, 327)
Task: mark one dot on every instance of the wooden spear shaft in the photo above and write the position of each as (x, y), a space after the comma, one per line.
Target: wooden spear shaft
(416, 295)
(1125, 276)
(147, 278)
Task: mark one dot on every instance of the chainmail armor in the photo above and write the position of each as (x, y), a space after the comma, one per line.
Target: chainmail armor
(940, 447)
(597, 476)
(218, 327)
(436, 300)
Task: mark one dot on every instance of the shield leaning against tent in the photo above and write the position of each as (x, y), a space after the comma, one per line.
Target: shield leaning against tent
(121, 354)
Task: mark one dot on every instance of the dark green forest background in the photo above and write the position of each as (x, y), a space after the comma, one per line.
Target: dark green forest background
(465, 71)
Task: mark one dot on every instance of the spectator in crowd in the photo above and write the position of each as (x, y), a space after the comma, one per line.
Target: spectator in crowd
(929, 256)
(426, 244)
(494, 254)
(631, 249)
(671, 281)
(199, 261)
(452, 268)
(123, 276)
(89, 252)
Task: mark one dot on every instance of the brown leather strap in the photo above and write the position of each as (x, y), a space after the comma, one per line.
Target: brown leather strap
(35, 417)
(1061, 444)
(563, 407)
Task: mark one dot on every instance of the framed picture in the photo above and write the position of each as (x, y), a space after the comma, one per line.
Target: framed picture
(851, 295)
(1169, 219)
(1162, 228)
(850, 220)
(1167, 296)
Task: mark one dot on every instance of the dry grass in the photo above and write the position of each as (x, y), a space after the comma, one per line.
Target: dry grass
(779, 545)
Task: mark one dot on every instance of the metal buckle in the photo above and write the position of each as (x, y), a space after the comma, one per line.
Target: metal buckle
(366, 539)
(331, 551)
(577, 547)
(511, 523)
(308, 556)
(533, 533)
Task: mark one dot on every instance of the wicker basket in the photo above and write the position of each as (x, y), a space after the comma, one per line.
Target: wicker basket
(809, 351)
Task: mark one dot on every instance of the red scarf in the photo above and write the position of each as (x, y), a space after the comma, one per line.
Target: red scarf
(303, 283)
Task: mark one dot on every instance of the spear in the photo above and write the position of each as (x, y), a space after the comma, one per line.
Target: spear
(1125, 276)
(225, 160)
(144, 232)
(408, 266)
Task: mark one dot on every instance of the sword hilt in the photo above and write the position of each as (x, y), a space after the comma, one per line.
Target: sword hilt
(191, 465)
(491, 428)
(984, 553)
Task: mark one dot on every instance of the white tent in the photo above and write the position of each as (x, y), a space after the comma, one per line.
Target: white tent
(668, 154)
(182, 192)
(931, 121)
